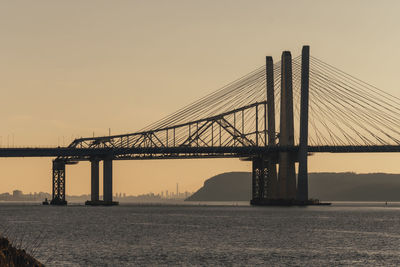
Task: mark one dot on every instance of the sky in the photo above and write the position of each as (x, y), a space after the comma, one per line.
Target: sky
(77, 68)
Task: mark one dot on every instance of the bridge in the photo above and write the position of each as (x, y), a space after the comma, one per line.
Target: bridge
(275, 116)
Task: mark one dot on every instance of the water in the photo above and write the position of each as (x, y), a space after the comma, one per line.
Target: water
(355, 234)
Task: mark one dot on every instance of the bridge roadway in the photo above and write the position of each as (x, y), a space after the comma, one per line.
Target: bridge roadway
(82, 154)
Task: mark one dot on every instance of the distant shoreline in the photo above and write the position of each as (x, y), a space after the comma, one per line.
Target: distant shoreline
(325, 186)
(227, 204)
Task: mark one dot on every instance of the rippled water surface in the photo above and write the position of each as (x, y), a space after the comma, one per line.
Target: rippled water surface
(130, 235)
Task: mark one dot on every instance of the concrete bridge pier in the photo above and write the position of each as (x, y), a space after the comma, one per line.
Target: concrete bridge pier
(94, 183)
(107, 183)
(107, 180)
(94, 194)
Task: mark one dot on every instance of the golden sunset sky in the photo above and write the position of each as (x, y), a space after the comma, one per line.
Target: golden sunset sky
(73, 68)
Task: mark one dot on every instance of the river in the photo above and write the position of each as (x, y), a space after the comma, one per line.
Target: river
(233, 234)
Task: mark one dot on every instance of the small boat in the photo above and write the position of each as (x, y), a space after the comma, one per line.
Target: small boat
(45, 202)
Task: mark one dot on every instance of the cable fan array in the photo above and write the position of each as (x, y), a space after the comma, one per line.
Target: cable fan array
(343, 111)
(244, 91)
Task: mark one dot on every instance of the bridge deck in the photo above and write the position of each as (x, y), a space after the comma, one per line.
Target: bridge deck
(181, 152)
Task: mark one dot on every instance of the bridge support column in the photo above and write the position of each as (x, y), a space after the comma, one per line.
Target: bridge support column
(287, 174)
(263, 191)
(272, 181)
(58, 194)
(107, 182)
(259, 172)
(94, 180)
(302, 181)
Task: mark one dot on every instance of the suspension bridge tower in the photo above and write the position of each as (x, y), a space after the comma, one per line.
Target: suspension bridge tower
(282, 188)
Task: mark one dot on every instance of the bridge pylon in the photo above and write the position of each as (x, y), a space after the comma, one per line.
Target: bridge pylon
(268, 189)
(302, 179)
(264, 175)
(272, 179)
(287, 173)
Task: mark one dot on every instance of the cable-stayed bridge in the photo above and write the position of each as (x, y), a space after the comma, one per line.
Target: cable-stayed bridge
(274, 116)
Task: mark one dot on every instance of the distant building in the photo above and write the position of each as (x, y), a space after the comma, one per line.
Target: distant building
(5, 196)
(17, 194)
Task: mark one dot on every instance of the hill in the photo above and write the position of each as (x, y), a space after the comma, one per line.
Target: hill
(236, 186)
